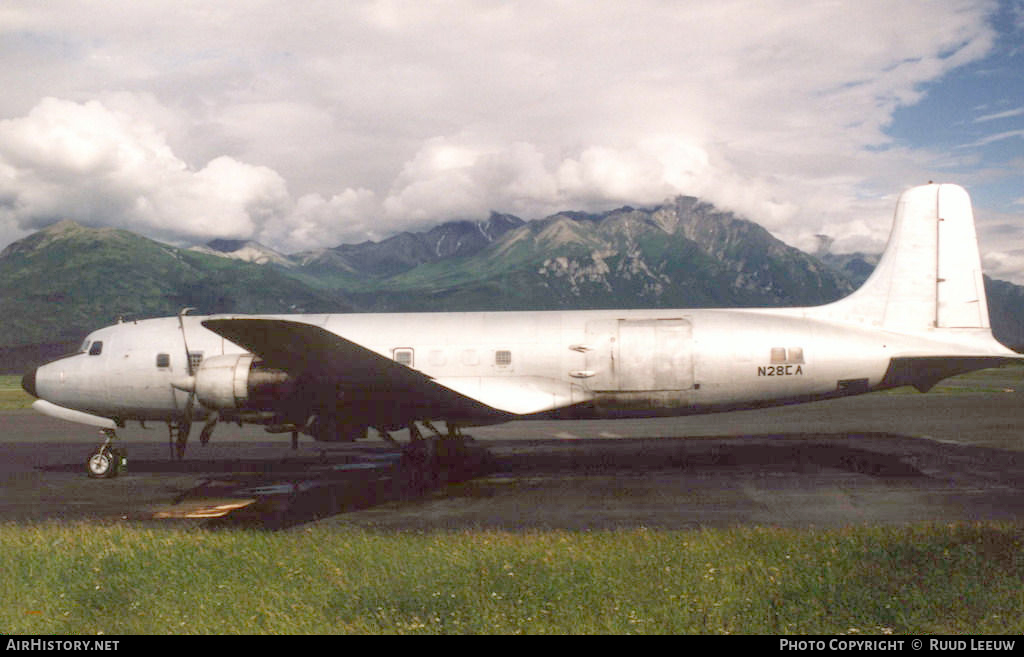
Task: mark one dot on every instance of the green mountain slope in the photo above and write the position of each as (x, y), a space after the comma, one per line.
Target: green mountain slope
(66, 280)
(684, 254)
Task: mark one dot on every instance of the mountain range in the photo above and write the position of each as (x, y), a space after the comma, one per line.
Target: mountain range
(683, 253)
(66, 280)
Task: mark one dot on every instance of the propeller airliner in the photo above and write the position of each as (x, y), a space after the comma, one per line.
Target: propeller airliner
(920, 317)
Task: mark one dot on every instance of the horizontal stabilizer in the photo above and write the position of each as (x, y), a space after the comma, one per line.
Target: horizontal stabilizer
(923, 372)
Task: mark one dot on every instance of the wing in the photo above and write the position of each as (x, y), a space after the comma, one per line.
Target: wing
(314, 354)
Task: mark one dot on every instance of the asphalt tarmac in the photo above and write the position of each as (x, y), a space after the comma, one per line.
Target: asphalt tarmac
(875, 459)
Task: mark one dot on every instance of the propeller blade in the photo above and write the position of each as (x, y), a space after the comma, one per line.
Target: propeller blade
(186, 420)
(211, 422)
(183, 430)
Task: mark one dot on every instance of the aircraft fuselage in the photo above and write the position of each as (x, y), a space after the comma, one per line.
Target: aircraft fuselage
(598, 363)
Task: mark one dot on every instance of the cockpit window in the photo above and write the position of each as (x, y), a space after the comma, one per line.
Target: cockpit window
(85, 346)
(96, 349)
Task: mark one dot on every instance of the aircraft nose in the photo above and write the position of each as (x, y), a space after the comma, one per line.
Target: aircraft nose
(28, 382)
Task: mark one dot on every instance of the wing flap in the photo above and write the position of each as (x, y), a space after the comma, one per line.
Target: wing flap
(519, 395)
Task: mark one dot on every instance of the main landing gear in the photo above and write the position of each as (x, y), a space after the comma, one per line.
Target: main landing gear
(107, 461)
(429, 462)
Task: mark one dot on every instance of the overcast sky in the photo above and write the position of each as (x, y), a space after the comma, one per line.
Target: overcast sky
(308, 124)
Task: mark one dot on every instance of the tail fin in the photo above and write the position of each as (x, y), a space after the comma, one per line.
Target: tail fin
(930, 274)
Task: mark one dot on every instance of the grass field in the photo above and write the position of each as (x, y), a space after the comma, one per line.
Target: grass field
(115, 580)
(11, 395)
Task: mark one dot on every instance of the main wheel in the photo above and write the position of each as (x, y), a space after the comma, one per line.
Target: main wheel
(103, 464)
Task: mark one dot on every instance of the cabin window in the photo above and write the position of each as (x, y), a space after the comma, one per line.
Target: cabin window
(96, 349)
(778, 355)
(163, 360)
(195, 359)
(404, 356)
(796, 355)
(503, 357)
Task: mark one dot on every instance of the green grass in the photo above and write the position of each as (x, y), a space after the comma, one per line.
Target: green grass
(116, 580)
(11, 394)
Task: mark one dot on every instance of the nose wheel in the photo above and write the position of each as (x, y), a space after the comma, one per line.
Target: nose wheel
(107, 461)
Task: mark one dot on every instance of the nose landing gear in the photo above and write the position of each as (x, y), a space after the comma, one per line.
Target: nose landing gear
(107, 461)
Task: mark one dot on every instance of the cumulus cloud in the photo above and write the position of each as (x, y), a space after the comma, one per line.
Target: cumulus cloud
(1004, 259)
(83, 161)
(315, 222)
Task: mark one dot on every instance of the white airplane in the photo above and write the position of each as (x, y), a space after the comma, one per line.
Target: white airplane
(922, 316)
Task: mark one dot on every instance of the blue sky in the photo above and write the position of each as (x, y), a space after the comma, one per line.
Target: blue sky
(975, 114)
(973, 119)
(305, 125)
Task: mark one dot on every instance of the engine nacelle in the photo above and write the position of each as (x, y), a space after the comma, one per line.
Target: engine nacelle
(239, 381)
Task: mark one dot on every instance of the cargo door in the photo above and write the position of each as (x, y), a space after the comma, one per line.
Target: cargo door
(640, 364)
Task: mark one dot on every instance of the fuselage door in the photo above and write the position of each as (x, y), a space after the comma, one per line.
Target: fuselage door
(655, 354)
(628, 355)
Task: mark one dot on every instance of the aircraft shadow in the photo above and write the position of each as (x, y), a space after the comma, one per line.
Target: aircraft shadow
(282, 493)
(786, 452)
(575, 459)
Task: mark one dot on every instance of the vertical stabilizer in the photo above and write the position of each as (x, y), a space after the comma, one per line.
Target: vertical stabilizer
(930, 274)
